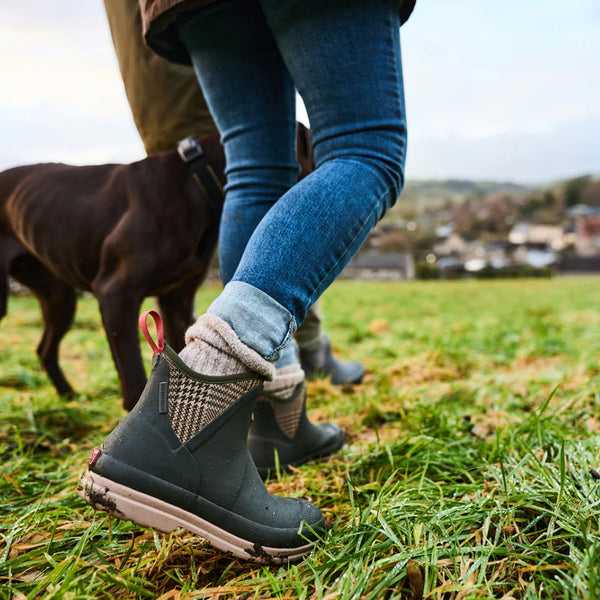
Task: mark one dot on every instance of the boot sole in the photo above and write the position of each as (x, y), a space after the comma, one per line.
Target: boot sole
(142, 509)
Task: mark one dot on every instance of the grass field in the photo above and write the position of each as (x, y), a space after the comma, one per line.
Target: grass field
(471, 468)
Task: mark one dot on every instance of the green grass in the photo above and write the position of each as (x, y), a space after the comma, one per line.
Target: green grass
(471, 469)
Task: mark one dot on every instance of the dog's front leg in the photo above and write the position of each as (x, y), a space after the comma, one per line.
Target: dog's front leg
(177, 308)
(119, 310)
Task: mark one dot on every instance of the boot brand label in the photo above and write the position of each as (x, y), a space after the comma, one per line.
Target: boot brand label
(94, 456)
(162, 397)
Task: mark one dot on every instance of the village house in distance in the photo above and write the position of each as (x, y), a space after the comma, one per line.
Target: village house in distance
(455, 229)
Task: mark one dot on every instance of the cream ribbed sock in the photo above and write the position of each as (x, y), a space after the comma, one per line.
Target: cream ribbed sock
(287, 407)
(213, 348)
(285, 381)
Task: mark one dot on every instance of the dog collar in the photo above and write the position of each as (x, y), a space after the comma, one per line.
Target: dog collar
(191, 153)
(189, 149)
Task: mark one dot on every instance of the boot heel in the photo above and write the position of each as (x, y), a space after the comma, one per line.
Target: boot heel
(124, 503)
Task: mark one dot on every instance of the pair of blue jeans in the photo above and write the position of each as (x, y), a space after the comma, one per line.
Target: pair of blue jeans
(283, 243)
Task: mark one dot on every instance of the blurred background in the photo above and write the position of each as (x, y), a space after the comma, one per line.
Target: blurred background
(503, 103)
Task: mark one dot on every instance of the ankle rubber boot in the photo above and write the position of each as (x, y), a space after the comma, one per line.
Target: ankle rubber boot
(281, 427)
(321, 363)
(179, 459)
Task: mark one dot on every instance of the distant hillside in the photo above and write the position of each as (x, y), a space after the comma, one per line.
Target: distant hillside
(424, 194)
(421, 196)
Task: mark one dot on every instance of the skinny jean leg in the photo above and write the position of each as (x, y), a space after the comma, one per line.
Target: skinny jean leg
(344, 58)
(252, 99)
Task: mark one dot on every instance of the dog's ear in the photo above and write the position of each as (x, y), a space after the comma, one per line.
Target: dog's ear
(304, 151)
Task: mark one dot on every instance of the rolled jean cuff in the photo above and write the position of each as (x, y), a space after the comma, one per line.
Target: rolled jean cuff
(287, 356)
(258, 320)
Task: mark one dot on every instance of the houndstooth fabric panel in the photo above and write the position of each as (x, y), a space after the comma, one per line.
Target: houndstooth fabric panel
(194, 404)
(287, 414)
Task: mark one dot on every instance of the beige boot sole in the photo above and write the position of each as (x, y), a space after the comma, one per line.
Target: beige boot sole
(130, 505)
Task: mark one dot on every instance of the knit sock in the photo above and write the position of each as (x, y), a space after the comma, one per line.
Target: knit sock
(286, 398)
(213, 348)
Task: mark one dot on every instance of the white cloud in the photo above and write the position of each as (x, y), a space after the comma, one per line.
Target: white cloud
(567, 150)
(494, 89)
(475, 70)
(62, 99)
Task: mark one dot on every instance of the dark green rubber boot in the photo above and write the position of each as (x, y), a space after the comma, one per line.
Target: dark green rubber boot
(181, 459)
(282, 436)
(322, 363)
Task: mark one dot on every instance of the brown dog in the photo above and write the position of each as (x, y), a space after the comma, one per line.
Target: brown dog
(123, 232)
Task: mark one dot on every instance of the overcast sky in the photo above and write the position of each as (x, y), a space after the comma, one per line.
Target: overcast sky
(495, 89)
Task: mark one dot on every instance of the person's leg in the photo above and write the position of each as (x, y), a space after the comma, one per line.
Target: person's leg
(308, 235)
(164, 97)
(259, 138)
(167, 105)
(255, 114)
(345, 61)
(354, 96)
(315, 354)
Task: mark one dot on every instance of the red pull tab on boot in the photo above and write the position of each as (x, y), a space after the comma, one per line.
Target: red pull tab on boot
(160, 336)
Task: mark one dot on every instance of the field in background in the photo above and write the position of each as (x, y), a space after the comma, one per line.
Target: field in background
(471, 468)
